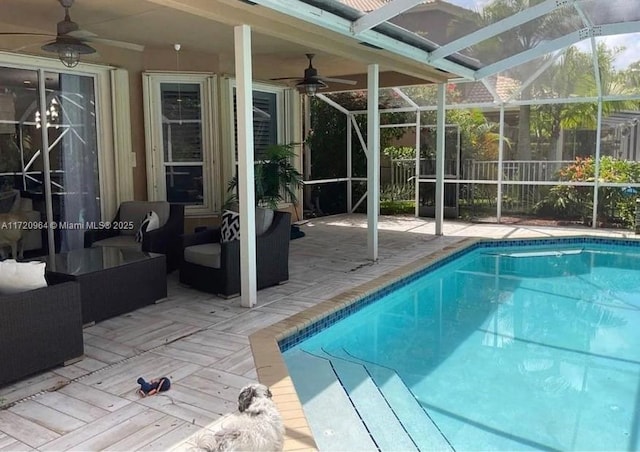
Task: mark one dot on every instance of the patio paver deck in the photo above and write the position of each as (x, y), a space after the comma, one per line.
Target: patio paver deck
(202, 343)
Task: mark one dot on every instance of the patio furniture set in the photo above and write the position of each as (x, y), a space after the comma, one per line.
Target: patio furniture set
(113, 275)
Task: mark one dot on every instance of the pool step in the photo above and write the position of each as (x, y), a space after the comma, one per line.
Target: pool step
(408, 410)
(374, 410)
(333, 420)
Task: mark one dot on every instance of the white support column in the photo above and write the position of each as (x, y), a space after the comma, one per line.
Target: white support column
(246, 182)
(440, 154)
(594, 219)
(416, 173)
(46, 167)
(307, 199)
(500, 159)
(373, 160)
(349, 165)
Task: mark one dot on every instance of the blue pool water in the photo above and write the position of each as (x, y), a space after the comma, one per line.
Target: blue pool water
(504, 348)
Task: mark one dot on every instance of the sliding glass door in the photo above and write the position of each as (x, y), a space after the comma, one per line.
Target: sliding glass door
(69, 119)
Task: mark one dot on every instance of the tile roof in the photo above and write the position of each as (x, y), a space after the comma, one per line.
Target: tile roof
(370, 5)
(364, 5)
(504, 86)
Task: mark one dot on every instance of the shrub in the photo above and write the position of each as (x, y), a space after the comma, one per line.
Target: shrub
(615, 204)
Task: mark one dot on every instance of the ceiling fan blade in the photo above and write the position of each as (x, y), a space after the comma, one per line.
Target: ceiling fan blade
(86, 35)
(10, 33)
(82, 34)
(337, 80)
(18, 49)
(114, 43)
(286, 78)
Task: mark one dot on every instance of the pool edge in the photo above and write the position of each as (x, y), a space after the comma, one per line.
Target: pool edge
(271, 368)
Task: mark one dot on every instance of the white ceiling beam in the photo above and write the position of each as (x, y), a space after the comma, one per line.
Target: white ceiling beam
(406, 98)
(531, 54)
(594, 49)
(382, 14)
(337, 24)
(621, 28)
(557, 44)
(498, 27)
(535, 75)
(331, 102)
(492, 90)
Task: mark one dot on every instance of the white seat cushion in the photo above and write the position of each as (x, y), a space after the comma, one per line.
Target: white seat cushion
(207, 254)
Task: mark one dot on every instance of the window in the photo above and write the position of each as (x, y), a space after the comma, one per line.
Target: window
(267, 119)
(179, 142)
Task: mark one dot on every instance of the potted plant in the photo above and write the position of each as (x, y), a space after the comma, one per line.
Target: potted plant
(276, 178)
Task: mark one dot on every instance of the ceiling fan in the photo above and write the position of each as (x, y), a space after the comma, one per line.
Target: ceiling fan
(311, 82)
(70, 41)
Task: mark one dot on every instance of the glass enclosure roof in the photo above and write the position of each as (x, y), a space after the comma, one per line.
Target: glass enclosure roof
(504, 51)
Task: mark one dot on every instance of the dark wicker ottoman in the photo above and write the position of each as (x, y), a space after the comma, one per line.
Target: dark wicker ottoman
(112, 281)
(39, 329)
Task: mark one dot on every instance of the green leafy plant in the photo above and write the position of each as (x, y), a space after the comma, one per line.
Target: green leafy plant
(276, 178)
(400, 152)
(615, 205)
(391, 207)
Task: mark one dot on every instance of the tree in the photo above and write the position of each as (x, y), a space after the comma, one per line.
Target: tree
(328, 142)
(571, 76)
(516, 40)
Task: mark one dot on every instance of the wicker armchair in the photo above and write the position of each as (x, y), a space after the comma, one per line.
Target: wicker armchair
(214, 267)
(39, 329)
(164, 240)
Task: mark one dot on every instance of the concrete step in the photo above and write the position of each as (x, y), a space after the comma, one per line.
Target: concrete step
(329, 411)
(373, 408)
(414, 419)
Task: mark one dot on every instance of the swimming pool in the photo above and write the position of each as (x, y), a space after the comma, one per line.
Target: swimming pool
(526, 345)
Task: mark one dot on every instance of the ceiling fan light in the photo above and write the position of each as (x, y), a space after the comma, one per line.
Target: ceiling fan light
(68, 49)
(311, 87)
(69, 56)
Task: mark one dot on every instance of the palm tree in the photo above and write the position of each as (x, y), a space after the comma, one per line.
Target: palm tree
(573, 75)
(516, 40)
(276, 178)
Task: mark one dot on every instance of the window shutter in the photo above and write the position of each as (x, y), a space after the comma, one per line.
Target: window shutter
(265, 122)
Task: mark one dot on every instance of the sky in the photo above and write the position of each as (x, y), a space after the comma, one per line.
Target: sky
(631, 54)
(473, 5)
(631, 42)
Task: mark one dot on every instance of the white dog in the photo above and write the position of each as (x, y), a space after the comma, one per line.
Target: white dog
(258, 426)
(11, 234)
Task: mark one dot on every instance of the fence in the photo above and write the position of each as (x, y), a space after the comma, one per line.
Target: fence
(522, 196)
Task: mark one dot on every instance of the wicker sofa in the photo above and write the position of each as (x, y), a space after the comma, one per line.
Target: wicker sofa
(272, 259)
(39, 329)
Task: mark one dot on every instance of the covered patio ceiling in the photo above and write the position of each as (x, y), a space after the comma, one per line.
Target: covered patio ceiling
(413, 41)
(135, 28)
